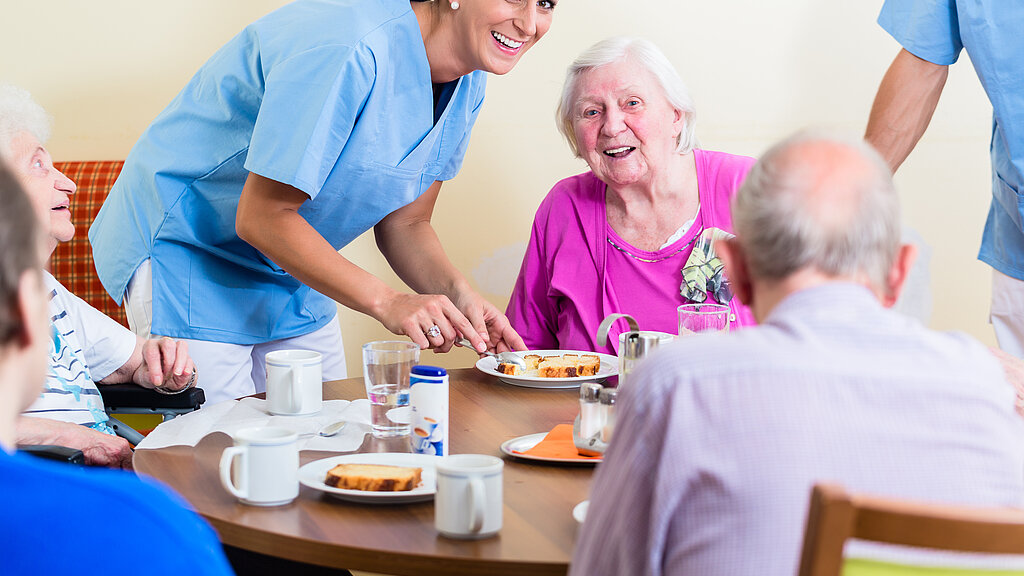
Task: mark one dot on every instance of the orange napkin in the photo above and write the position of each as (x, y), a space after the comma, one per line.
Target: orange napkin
(557, 444)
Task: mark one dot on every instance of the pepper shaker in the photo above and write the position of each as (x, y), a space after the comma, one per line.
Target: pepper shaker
(608, 398)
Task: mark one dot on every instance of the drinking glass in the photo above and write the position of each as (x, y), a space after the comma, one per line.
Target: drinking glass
(386, 368)
(701, 318)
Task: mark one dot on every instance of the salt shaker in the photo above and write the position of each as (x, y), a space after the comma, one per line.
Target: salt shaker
(586, 431)
(590, 414)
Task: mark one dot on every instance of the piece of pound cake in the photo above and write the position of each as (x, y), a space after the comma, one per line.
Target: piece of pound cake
(374, 477)
(510, 369)
(555, 367)
(589, 364)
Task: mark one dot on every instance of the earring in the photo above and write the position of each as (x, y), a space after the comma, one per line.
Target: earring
(455, 5)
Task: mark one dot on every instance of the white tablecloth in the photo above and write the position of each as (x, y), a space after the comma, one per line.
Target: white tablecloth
(233, 415)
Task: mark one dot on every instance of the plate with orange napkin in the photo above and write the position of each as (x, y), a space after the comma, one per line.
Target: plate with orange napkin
(553, 446)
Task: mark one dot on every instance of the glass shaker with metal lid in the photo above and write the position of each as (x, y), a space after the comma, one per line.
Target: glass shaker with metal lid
(586, 430)
(607, 410)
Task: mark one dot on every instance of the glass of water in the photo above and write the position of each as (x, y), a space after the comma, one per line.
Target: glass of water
(702, 318)
(386, 368)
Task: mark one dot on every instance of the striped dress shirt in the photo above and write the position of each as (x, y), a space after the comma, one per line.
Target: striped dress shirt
(720, 438)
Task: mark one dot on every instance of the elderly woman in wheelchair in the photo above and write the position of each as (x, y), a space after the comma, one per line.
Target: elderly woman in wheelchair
(87, 348)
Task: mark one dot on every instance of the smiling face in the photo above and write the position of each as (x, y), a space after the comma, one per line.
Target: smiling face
(496, 33)
(625, 128)
(48, 189)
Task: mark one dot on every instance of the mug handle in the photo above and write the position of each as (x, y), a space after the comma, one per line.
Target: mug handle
(296, 392)
(226, 459)
(476, 491)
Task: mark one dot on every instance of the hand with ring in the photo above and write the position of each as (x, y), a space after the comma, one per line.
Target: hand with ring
(430, 320)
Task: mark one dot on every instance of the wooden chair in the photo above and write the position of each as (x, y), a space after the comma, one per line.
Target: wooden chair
(836, 516)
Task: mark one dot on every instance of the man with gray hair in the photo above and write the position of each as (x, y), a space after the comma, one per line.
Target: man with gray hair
(719, 438)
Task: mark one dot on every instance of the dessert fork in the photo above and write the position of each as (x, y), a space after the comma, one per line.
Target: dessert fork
(501, 357)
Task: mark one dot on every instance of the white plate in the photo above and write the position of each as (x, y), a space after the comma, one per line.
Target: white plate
(524, 443)
(314, 473)
(609, 367)
(579, 513)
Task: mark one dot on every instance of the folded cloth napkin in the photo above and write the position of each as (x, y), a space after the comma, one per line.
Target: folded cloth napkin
(704, 273)
(233, 415)
(557, 444)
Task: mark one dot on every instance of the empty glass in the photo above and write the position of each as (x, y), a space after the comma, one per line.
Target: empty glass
(702, 318)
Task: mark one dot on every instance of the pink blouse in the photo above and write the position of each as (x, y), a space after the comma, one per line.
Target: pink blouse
(577, 270)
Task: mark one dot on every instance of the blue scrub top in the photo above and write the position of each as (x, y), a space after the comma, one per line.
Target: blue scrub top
(333, 97)
(991, 32)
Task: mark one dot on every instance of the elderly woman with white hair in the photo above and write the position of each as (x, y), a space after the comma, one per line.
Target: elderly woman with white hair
(86, 348)
(635, 233)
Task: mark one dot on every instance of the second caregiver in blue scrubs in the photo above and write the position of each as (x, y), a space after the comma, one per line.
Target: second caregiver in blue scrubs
(316, 123)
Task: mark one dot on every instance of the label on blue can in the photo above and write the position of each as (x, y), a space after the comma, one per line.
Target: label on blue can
(428, 399)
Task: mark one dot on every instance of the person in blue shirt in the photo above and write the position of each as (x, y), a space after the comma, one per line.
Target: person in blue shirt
(933, 33)
(55, 516)
(318, 122)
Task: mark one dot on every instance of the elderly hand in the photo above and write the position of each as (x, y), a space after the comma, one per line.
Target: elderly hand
(103, 449)
(98, 448)
(489, 323)
(1013, 367)
(165, 365)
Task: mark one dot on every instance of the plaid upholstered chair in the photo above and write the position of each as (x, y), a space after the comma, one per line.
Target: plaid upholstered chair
(72, 264)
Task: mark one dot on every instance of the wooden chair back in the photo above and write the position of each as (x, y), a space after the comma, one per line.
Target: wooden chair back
(836, 516)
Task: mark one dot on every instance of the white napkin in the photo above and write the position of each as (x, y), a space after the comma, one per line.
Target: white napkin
(233, 415)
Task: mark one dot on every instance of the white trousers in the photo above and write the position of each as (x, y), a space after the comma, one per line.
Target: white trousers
(229, 371)
(1007, 315)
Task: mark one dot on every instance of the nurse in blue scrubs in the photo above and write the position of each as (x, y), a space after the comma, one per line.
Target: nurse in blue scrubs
(321, 120)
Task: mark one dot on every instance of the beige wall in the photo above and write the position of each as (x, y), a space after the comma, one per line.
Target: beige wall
(757, 71)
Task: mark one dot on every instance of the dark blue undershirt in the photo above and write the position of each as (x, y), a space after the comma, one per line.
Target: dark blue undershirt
(442, 95)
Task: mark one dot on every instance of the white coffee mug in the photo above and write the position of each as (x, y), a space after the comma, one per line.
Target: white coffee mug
(294, 382)
(468, 502)
(265, 465)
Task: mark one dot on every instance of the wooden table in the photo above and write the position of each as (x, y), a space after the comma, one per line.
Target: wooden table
(538, 529)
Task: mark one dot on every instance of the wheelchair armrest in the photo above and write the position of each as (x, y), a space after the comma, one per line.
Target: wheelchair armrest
(117, 396)
(58, 453)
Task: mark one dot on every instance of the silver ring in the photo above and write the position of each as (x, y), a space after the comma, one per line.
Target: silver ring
(433, 332)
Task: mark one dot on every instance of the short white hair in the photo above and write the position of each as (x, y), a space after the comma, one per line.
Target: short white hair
(20, 113)
(784, 224)
(644, 53)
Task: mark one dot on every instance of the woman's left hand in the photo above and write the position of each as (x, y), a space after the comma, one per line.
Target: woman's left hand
(492, 325)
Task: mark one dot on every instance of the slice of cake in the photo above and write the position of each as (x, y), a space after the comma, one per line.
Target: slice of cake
(510, 369)
(532, 360)
(556, 367)
(374, 477)
(589, 364)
